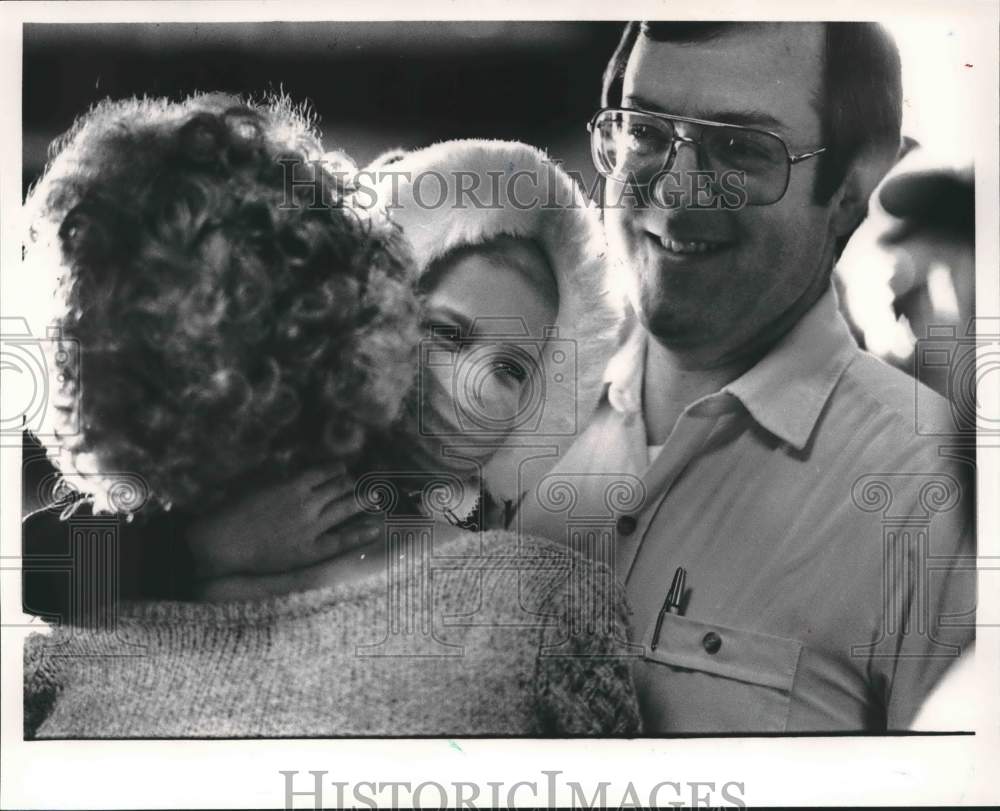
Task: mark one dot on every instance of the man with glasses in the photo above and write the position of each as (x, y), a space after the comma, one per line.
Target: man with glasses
(802, 557)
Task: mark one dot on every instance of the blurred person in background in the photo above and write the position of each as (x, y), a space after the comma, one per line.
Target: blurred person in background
(911, 264)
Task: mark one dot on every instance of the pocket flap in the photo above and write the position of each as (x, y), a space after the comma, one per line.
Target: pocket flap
(735, 653)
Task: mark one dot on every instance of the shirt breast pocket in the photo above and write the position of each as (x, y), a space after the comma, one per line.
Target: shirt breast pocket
(706, 677)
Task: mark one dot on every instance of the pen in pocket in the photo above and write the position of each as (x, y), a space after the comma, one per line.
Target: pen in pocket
(672, 603)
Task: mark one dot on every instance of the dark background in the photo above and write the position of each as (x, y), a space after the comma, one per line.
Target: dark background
(374, 85)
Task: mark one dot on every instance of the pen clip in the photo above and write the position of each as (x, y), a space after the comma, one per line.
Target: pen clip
(672, 601)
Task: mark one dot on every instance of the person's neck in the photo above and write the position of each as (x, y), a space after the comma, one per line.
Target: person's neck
(674, 378)
(672, 382)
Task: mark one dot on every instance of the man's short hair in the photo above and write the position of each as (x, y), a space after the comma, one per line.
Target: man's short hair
(862, 97)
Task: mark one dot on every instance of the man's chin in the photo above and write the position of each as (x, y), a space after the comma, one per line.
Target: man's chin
(677, 328)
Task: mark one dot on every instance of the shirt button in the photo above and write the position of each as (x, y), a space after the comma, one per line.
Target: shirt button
(711, 642)
(626, 524)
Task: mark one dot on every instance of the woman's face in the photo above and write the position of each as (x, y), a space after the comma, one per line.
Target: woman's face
(482, 368)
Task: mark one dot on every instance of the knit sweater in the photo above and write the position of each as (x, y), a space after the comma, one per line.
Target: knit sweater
(486, 645)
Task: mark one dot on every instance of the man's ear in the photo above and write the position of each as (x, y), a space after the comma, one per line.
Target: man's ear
(865, 172)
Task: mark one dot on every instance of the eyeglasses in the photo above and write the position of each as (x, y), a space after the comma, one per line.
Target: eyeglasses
(635, 146)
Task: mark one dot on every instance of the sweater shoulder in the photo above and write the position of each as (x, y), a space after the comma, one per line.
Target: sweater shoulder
(582, 682)
(507, 573)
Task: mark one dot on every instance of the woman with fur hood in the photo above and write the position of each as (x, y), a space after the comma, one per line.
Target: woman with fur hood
(216, 339)
(518, 327)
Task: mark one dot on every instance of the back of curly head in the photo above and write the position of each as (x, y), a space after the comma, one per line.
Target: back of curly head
(223, 329)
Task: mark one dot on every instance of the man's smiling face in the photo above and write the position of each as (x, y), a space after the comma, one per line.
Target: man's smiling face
(755, 264)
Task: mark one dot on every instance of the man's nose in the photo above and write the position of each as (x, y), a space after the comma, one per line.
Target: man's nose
(676, 186)
(685, 156)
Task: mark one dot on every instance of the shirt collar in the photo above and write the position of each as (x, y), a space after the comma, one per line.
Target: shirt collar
(785, 392)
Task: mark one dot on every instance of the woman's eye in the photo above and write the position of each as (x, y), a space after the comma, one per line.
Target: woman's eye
(509, 369)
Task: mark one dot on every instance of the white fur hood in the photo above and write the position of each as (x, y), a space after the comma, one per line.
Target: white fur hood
(522, 193)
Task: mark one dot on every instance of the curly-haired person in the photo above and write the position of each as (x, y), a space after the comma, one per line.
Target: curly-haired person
(226, 325)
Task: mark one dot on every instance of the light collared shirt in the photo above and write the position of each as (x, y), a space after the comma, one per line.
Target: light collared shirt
(821, 505)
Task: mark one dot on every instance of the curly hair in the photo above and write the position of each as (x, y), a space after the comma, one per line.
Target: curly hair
(229, 320)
